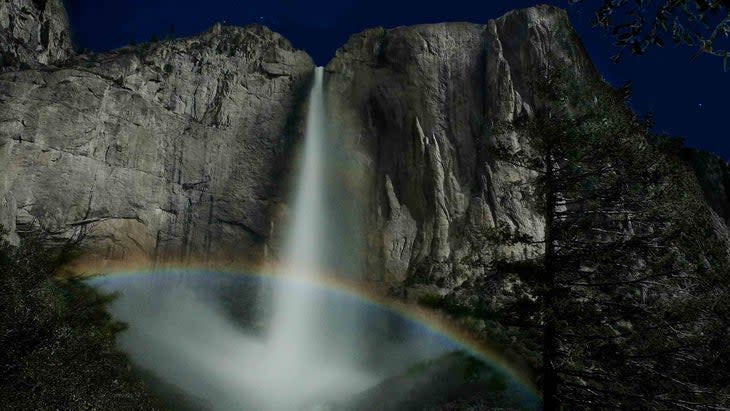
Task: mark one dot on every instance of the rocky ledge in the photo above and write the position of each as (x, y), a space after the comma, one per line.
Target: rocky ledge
(169, 149)
(33, 33)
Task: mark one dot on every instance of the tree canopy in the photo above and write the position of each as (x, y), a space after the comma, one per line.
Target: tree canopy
(632, 284)
(636, 25)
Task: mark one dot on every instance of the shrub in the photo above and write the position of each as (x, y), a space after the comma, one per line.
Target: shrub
(57, 342)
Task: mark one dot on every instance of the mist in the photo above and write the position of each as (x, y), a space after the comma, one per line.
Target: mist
(184, 330)
(286, 344)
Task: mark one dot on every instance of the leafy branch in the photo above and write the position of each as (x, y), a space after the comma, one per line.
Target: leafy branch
(637, 25)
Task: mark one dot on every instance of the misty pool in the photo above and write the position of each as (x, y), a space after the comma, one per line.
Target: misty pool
(202, 340)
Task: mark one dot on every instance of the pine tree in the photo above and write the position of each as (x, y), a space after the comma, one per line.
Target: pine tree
(630, 258)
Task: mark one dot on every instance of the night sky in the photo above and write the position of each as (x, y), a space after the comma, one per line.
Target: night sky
(688, 99)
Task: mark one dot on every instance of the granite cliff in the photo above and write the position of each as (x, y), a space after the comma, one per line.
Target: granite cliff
(33, 33)
(713, 174)
(168, 149)
(421, 101)
(176, 149)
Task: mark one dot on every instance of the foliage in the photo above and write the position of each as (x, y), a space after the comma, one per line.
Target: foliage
(8, 60)
(638, 24)
(632, 284)
(57, 343)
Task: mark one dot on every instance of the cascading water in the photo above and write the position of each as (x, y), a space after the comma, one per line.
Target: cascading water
(294, 342)
(296, 328)
(313, 348)
(294, 312)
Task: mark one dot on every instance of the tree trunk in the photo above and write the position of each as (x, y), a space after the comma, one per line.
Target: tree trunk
(550, 378)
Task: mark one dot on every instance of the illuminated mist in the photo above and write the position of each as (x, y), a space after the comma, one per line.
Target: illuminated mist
(292, 335)
(296, 354)
(223, 341)
(303, 349)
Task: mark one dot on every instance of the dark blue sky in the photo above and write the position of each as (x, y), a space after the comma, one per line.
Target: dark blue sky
(689, 99)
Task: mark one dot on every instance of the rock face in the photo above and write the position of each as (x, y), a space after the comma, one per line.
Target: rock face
(713, 174)
(171, 149)
(421, 101)
(33, 33)
(176, 149)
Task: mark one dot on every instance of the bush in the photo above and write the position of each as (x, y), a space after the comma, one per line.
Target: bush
(57, 341)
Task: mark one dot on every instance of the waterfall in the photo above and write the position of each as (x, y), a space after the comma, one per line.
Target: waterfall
(312, 348)
(304, 346)
(293, 325)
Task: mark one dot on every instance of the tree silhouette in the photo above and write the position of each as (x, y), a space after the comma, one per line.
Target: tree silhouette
(57, 342)
(638, 25)
(631, 258)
